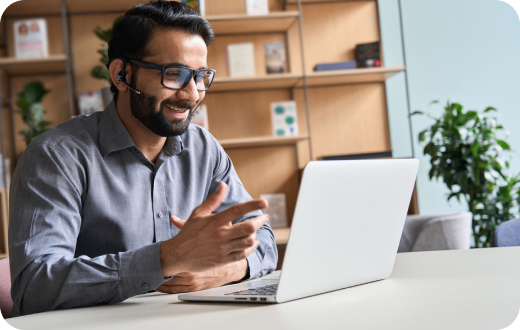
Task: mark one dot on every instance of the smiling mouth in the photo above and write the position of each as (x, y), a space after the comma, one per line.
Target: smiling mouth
(175, 109)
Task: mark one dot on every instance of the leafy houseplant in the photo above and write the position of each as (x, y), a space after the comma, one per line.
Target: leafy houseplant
(29, 102)
(101, 72)
(467, 154)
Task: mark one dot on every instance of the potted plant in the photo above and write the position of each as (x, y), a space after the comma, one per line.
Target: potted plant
(468, 155)
(29, 102)
(101, 71)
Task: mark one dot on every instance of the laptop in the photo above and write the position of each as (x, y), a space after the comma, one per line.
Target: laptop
(345, 232)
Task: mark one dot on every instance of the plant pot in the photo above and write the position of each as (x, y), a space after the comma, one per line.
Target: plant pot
(107, 96)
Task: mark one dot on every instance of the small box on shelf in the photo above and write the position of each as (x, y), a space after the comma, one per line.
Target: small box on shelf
(241, 60)
(284, 118)
(200, 117)
(276, 210)
(257, 7)
(275, 57)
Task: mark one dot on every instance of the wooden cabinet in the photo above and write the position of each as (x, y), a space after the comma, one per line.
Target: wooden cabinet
(339, 112)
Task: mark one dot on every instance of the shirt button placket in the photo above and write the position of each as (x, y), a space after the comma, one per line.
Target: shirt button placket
(160, 214)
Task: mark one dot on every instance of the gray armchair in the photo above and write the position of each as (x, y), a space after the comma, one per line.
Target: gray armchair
(436, 232)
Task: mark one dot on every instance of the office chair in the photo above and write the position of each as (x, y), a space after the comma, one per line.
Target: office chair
(6, 304)
(436, 232)
(507, 234)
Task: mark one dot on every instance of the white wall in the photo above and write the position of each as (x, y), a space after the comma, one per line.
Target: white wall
(461, 50)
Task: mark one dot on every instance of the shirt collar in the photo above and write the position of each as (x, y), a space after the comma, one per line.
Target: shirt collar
(114, 136)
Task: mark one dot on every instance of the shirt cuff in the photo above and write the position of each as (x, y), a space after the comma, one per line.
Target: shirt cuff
(254, 264)
(141, 270)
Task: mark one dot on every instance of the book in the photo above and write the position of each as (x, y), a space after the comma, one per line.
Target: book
(335, 66)
(277, 210)
(284, 118)
(275, 57)
(257, 7)
(90, 102)
(368, 55)
(30, 38)
(198, 5)
(200, 117)
(241, 60)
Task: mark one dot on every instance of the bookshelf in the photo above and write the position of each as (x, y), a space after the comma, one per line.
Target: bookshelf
(339, 112)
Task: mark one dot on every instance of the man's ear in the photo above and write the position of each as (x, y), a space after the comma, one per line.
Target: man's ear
(115, 68)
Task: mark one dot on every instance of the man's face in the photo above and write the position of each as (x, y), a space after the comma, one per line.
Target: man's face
(164, 111)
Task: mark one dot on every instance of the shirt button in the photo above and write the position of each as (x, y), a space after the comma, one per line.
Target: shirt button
(135, 150)
(160, 214)
(145, 286)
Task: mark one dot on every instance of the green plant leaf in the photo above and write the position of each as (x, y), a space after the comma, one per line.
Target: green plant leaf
(101, 72)
(488, 109)
(503, 144)
(417, 112)
(34, 92)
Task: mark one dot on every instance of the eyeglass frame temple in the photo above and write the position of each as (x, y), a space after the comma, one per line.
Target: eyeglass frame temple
(163, 68)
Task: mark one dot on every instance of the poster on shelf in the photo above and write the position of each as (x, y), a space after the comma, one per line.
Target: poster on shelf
(30, 38)
(90, 102)
(198, 5)
(275, 57)
(200, 117)
(277, 210)
(257, 7)
(241, 60)
(284, 118)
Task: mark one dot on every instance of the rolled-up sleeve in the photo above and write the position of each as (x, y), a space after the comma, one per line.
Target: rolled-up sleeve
(265, 258)
(44, 224)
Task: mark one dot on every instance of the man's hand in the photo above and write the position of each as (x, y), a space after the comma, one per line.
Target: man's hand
(208, 241)
(189, 282)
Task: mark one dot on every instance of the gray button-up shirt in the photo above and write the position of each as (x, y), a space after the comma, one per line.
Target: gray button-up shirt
(88, 211)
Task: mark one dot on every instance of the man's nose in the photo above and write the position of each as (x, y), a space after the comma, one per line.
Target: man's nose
(189, 92)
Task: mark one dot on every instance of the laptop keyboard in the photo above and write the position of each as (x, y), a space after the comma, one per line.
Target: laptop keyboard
(267, 290)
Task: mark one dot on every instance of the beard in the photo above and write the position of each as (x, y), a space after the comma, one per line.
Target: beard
(143, 109)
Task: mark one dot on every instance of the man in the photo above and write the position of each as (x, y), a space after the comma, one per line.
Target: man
(96, 203)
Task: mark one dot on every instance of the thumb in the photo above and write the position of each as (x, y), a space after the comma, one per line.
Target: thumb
(179, 223)
(212, 202)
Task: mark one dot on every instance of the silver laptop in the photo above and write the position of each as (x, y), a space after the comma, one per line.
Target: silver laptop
(346, 229)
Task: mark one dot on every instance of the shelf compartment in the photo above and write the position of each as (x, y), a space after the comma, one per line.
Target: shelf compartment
(20, 66)
(352, 76)
(283, 80)
(262, 141)
(242, 24)
(281, 235)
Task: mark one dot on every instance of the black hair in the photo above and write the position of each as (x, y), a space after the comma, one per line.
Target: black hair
(131, 35)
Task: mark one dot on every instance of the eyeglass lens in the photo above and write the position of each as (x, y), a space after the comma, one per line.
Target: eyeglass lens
(176, 78)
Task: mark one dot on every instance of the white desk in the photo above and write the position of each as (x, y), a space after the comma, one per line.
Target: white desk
(467, 289)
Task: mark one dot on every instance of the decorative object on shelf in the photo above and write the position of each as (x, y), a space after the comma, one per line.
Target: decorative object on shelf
(200, 117)
(29, 102)
(198, 5)
(7, 166)
(467, 154)
(257, 7)
(284, 118)
(90, 102)
(277, 210)
(30, 38)
(101, 71)
(275, 57)
(335, 66)
(368, 55)
(241, 60)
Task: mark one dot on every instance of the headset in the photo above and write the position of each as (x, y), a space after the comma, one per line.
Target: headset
(122, 76)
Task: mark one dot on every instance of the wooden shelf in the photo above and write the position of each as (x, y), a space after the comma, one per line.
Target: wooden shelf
(242, 24)
(283, 80)
(19, 66)
(263, 141)
(281, 235)
(352, 76)
(4, 255)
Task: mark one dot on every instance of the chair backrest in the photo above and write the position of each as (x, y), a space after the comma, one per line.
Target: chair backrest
(507, 234)
(436, 232)
(6, 303)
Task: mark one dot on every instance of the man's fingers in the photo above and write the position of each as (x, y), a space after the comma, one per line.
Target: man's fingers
(241, 255)
(179, 223)
(241, 243)
(212, 202)
(174, 289)
(248, 227)
(239, 210)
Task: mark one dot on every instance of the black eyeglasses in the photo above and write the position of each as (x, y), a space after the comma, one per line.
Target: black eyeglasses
(178, 77)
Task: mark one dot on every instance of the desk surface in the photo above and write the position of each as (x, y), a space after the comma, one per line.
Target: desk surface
(465, 289)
